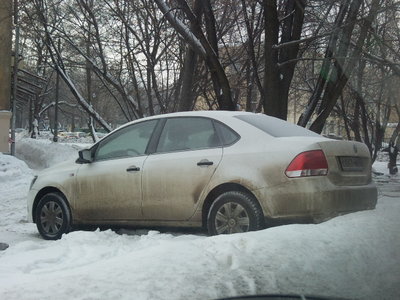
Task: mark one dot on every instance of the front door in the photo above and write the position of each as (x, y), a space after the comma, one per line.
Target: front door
(110, 188)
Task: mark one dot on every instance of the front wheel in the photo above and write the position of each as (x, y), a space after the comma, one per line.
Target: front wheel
(53, 218)
(234, 212)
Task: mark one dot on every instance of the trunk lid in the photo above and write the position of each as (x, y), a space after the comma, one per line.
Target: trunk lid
(349, 162)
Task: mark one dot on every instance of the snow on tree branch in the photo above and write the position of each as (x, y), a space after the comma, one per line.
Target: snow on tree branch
(181, 28)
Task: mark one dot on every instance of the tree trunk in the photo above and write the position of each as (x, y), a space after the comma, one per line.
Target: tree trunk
(278, 75)
(189, 67)
(291, 31)
(326, 71)
(343, 72)
(203, 46)
(185, 99)
(394, 146)
(89, 81)
(344, 116)
(271, 102)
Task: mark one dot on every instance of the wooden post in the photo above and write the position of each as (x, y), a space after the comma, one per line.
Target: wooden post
(5, 72)
(15, 78)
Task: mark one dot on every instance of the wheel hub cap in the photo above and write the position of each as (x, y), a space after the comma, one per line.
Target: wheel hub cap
(232, 218)
(51, 217)
(232, 223)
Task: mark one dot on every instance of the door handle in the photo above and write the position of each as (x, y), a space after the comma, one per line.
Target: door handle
(133, 169)
(205, 162)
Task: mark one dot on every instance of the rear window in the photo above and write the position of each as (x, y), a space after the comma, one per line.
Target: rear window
(227, 135)
(275, 127)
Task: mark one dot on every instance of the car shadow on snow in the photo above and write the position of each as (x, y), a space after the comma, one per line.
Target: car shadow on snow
(127, 230)
(177, 231)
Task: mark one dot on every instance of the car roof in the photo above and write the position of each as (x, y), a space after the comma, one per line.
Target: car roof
(206, 113)
(220, 115)
(216, 114)
(198, 113)
(228, 118)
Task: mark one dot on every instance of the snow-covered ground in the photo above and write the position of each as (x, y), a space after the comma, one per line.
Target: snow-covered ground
(352, 256)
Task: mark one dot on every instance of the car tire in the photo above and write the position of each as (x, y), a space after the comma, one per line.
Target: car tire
(234, 212)
(53, 217)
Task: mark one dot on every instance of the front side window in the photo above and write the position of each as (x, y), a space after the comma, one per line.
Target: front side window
(127, 142)
(188, 134)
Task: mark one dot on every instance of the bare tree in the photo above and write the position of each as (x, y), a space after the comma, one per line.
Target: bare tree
(204, 44)
(60, 67)
(277, 75)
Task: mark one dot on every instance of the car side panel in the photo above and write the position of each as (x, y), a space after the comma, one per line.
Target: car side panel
(261, 169)
(107, 191)
(61, 177)
(173, 183)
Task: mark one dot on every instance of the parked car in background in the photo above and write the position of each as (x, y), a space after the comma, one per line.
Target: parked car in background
(77, 135)
(74, 135)
(100, 135)
(227, 171)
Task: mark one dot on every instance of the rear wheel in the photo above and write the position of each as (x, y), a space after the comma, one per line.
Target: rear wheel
(234, 212)
(52, 216)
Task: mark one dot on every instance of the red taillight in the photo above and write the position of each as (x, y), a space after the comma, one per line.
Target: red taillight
(309, 163)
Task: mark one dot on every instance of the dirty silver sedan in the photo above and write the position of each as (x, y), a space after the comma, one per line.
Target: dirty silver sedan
(226, 171)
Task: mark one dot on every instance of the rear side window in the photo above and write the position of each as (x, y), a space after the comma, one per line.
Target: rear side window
(188, 134)
(227, 135)
(275, 127)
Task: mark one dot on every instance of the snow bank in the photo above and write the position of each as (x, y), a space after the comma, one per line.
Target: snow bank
(15, 177)
(381, 163)
(40, 154)
(353, 256)
(11, 168)
(380, 167)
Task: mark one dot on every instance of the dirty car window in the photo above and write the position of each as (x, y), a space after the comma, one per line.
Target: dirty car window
(127, 142)
(227, 135)
(187, 134)
(274, 126)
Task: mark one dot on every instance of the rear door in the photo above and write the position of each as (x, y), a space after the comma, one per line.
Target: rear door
(175, 176)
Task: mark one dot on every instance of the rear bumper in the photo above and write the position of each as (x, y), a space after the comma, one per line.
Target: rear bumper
(315, 199)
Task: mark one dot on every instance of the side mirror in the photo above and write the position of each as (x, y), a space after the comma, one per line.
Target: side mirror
(85, 156)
